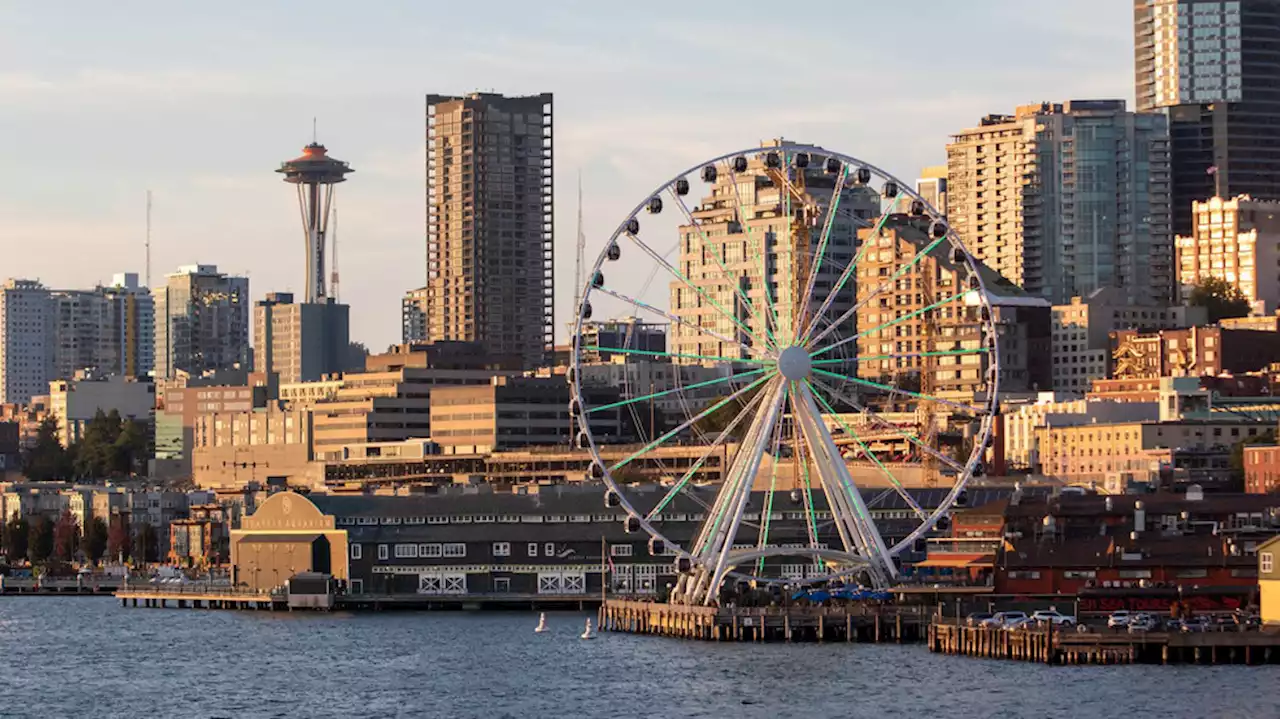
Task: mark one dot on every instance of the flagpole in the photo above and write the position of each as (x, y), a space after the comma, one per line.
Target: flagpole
(603, 572)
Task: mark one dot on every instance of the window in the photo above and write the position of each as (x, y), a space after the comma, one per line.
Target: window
(533, 549)
(549, 549)
(502, 549)
(382, 551)
(406, 551)
(455, 549)
(357, 551)
(1265, 561)
(429, 551)
(620, 550)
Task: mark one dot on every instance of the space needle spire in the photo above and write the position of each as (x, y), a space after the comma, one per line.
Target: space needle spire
(315, 174)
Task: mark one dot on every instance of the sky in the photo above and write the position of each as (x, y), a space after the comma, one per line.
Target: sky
(200, 102)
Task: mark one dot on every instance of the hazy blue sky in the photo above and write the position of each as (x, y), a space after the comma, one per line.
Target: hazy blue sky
(200, 102)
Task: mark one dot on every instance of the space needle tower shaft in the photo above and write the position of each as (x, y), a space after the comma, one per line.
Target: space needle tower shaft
(315, 173)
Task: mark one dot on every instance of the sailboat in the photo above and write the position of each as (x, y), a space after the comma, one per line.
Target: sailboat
(588, 634)
(542, 623)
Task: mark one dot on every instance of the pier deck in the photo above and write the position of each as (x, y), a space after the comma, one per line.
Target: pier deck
(1101, 646)
(855, 623)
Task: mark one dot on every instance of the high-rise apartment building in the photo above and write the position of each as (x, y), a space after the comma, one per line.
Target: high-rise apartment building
(919, 340)
(1237, 240)
(1214, 67)
(739, 221)
(490, 223)
(1062, 199)
(300, 341)
(201, 321)
(26, 340)
(110, 330)
(932, 186)
(413, 316)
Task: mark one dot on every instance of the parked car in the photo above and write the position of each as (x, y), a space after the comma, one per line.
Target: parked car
(977, 618)
(1055, 617)
(1143, 623)
(1000, 619)
(1019, 623)
(1119, 619)
(1193, 624)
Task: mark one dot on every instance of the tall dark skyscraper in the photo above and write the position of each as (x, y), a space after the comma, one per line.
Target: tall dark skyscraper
(1214, 67)
(490, 224)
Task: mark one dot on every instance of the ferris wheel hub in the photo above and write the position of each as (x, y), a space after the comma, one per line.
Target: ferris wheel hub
(794, 363)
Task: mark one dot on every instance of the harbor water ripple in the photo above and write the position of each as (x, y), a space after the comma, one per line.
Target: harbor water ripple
(71, 657)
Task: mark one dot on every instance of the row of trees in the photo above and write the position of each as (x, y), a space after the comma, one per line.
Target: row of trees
(111, 447)
(40, 540)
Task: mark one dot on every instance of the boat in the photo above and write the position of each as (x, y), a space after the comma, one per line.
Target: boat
(542, 623)
(588, 634)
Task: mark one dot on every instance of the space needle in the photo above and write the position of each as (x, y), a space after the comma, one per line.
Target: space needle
(315, 173)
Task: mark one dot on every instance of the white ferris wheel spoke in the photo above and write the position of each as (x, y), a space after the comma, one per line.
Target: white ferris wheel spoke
(844, 278)
(875, 417)
(749, 349)
(724, 270)
(720, 543)
(902, 491)
(880, 288)
(662, 262)
(690, 422)
(762, 254)
(816, 262)
(724, 435)
(848, 506)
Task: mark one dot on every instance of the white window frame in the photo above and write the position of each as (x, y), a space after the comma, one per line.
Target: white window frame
(430, 551)
(533, 549)
(1266, 561)
(549, 549)
(357, 551)
(620, 550)
(382, 552)
(406, 551)
(502, 549)
(455, 549)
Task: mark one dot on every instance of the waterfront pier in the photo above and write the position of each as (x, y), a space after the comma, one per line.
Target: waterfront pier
(1051, 645)
(851, 623)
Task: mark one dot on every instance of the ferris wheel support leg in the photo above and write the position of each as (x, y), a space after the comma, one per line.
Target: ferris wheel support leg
(839, 483)
(751, 454)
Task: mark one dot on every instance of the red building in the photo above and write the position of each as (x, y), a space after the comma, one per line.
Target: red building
(1261, 468)
(1065, 543)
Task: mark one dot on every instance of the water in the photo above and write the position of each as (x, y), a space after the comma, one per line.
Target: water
(90, 657)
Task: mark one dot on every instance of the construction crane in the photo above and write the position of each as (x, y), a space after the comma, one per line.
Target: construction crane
(928, 272)
(801, 216)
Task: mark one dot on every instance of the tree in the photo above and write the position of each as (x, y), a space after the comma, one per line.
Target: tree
(16, 538)
(132, 448)
(96, 540)
(119, 546)
(40, 540)
(1236, 460)
(146, 544)
(1221, 298)
(48, 459)
(66, 533)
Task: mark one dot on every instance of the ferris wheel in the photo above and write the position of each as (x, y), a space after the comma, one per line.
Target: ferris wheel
(828, 339)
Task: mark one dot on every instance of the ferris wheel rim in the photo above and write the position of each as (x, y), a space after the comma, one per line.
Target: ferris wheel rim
(985, 414)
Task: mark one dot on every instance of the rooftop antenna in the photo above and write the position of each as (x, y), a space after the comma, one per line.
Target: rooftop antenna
(333, 276)
(148, 241)
(315, 136)
(578, 260)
